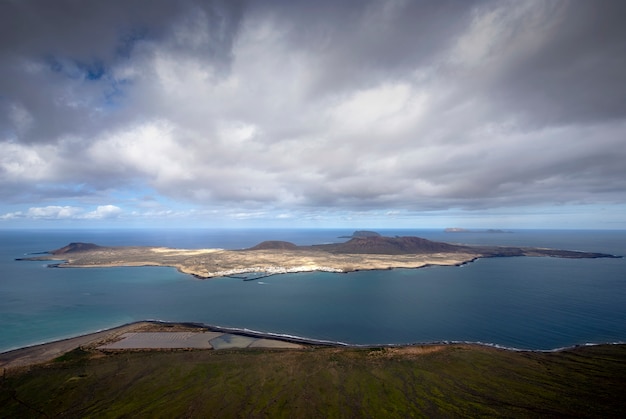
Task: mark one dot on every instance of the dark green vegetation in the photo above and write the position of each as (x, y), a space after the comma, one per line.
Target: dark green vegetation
(323, 382)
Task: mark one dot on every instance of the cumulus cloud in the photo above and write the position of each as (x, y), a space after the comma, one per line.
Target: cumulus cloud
(104, 211)
(384, 105)
(55, 212)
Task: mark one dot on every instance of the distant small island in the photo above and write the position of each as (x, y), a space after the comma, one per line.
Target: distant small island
(469, 230)
(360, 234)
(364, 251)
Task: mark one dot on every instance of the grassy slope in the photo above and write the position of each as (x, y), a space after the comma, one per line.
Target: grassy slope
(323, 382)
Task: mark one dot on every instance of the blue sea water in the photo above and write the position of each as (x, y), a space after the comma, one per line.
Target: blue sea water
(524, 302)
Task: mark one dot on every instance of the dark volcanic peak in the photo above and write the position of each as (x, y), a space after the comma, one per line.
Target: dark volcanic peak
(75, 247)
(274, 245)
(390, 246)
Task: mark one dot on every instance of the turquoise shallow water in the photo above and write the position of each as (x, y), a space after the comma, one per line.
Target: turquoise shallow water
(529, 303)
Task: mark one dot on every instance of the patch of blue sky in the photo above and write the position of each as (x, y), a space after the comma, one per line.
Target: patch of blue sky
(115, 93)
(113, 89)
(145, 200)
(92, 71)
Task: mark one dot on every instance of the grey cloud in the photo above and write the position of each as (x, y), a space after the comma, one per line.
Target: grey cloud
(105, 30)
(561, 63)
(354, 44)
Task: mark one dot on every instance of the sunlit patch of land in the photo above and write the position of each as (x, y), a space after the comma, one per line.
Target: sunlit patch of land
(183, 252)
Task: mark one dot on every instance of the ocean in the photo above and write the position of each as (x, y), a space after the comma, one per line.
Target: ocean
(524, 302)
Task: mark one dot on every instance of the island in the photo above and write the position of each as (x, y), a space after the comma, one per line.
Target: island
(467, 230)
(361, 233)
(362, 252)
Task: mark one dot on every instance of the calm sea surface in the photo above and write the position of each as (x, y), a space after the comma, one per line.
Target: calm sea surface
(529, 303)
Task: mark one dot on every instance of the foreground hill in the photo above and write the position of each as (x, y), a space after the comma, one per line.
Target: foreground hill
(413, 381)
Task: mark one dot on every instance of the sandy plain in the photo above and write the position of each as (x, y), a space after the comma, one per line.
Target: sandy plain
(208, 263)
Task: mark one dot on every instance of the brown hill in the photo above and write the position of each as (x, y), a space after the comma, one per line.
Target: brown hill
(75, 247)
(274, 245)
(390, 246)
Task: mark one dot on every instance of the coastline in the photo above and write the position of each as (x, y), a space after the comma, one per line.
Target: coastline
(264, 272)
(45, 352)
(48, 351)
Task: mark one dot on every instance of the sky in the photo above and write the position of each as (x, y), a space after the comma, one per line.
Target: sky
(386, 113)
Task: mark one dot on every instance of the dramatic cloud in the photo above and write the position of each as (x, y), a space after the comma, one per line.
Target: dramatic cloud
(293, 110)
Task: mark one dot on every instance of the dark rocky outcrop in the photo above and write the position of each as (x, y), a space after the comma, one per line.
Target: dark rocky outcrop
(274, 245)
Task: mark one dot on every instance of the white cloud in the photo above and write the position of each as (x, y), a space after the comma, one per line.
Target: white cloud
(103, 211)
(52, 212)
(148, 149)
(28, 163)
(56, 212)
